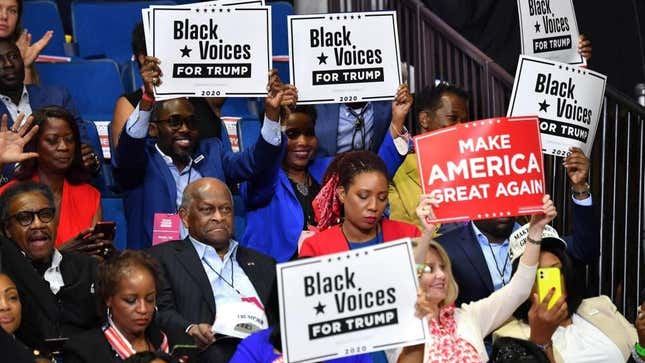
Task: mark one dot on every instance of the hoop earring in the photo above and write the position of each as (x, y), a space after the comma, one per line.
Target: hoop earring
(109, 313)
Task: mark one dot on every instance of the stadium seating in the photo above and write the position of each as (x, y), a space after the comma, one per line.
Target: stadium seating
(104, 29)
(40, 16)
(248, 131)
(94, 85)
(113, 211)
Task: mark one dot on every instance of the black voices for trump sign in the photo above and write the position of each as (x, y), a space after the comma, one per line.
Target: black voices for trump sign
(566, 98)
(346, 57)
(549, 30)
(347, 304)
(209, 50)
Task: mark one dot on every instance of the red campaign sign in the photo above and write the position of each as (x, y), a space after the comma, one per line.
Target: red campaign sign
(483, 169)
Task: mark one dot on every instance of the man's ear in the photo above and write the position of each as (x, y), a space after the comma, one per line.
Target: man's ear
(183, 214)
(6, 232)
(424, 120)
(153, 129)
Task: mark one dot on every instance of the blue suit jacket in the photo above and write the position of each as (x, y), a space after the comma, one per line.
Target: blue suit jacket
(274, 215)
(149, 187)
(469, 266)
(327, 126)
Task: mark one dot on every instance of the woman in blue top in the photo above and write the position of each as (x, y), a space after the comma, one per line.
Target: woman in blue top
(279, 205)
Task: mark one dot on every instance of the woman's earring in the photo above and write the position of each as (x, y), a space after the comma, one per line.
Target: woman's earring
(109, 313)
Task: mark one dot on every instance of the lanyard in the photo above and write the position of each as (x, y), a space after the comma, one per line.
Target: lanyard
(231, 284)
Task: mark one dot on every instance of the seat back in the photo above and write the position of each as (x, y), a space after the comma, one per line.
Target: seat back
(248, 131)
(104, 29)
(39, 16)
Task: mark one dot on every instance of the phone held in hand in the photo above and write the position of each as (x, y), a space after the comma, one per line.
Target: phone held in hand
(548, 278)
(108, 229)
(184, 353)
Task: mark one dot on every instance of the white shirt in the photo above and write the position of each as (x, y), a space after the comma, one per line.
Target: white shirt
(584, 343)
(23, 105)
(53, 274)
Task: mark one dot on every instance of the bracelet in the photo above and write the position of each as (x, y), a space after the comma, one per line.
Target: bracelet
(635, 354)
(146, 97)
(531, 240)
(544, 347)
(586, 191)
(639, 349)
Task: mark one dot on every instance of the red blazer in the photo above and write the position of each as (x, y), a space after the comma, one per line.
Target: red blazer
(332, 240)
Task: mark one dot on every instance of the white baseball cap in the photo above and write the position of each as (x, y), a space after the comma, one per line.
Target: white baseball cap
(517, 240)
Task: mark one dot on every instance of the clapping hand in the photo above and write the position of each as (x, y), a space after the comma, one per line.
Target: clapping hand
(13, 141)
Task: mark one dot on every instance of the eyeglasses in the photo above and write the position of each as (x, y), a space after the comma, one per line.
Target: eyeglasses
(293, 134)
(26, 218)
(175, 121)
(422, 268)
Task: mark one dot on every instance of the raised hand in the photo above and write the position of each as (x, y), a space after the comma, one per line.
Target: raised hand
(577, 166)
(150, 74)
(13, 141)
(539, 220)
(400, 108)
(278, 95)
(584, 46)
(425, 213)
(30, 52)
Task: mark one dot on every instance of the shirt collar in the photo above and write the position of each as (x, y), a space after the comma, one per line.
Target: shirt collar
(168, 159)
(201, 248)
(482, 237)
(24, 95)
(56, 260)
(362, 110)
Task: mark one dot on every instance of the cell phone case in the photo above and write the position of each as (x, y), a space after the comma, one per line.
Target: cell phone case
(547, 278)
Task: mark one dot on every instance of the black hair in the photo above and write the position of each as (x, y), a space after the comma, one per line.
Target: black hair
(17, 189)
(111, 271)
(574, 293)
(147, 357)
(351, 163)
(429, 98)
(308, 110)
(77, 173)
(138, 42)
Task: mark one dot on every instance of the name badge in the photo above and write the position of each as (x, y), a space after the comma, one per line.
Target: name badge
(166, 227)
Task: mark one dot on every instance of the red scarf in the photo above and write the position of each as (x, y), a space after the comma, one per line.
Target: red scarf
(122, 346)
(447, 346)
(327, 205)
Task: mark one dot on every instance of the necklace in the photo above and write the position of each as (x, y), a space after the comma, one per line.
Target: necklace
(303, 188)
(503, 271)
(379, 236)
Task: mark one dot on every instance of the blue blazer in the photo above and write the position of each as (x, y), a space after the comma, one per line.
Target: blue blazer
(327, 126)
(149, 187)
(42, 96)
(274, 215)
(469, 266)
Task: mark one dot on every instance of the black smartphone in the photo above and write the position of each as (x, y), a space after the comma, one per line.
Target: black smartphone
(55, 345)
(107, 228)
(184, 353)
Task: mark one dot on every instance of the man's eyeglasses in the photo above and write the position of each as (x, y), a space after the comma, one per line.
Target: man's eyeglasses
(293, 134)
(26, 218)
(175, 121)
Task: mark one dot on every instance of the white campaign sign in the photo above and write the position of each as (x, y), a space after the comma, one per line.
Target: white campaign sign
(204, 51)
(548, 29)
(346, 57)
(349, 303)
(566, 98)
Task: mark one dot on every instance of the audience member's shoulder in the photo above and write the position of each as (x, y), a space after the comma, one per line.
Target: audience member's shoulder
(454, 234)
(166, 247)
(79, 259)
(86, 342)
(258, 256)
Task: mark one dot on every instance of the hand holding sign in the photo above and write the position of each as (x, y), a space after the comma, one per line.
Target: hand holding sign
(278, 95)
(426, 214)
(539, 220)
(584, 46)
(577, 166)
(400, 108)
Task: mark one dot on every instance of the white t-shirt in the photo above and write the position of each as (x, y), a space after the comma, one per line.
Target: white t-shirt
(582, 342)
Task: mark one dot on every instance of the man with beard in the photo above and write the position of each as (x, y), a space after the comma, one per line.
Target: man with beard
(479, 250)
(154, 171)
(56, 287)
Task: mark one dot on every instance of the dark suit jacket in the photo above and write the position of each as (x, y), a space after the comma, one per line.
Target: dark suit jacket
(92, 346)
(149, 187)
(469, 265)
(13, 351)
(45, 315)
(186, 296)
(42, 96)
(327, 126)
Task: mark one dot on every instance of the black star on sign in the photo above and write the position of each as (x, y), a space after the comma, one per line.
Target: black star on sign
(320, 308)
(322, 59)
(537, 27)
(543, 106)
(185, 52)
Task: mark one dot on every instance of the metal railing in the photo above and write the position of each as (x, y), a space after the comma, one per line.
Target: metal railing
(617, 175)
